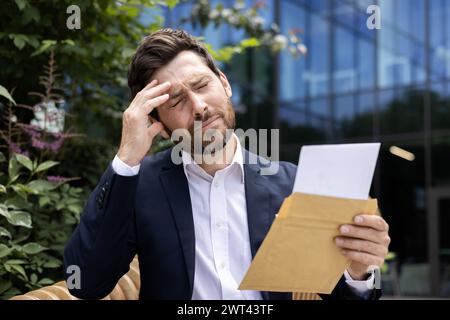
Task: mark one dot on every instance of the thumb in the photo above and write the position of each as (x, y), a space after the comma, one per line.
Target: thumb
(154, 129)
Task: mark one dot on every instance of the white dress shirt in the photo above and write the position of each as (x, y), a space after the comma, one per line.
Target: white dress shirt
(222, 242)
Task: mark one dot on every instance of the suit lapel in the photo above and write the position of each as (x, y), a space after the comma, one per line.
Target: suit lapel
(176, 189)
(258, 212)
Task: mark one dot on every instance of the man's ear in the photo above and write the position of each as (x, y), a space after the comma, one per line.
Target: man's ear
(225, 83)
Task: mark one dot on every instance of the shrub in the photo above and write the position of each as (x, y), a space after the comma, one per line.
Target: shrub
(37, 214)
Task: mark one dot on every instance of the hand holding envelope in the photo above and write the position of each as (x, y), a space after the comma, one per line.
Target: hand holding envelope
(300, 253)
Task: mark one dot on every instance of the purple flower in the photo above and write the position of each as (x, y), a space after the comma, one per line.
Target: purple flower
(55, 145)
(38, 144)
(56, 179)
(32, 131)
(16, 149)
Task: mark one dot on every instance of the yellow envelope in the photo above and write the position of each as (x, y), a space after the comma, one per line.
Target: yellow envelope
(299, 253)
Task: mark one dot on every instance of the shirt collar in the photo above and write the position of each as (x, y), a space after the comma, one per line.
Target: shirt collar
(238, 159)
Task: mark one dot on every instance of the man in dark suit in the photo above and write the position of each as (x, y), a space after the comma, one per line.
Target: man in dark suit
(194, 224)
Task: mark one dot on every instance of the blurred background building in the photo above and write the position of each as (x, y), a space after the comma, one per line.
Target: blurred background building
(358, 85)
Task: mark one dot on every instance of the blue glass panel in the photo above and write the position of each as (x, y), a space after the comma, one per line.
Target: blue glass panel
(344, 13)
(439, 51)
(344, 75)
(292, 69)
(366, 64)
(366, 104)
(319, 109)
(344, 108)
(319, 46)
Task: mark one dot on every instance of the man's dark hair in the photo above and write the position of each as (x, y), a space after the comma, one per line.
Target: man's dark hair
(157, 50)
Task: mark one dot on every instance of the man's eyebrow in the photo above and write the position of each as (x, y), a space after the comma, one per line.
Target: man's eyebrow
(199, 78)
(195, 80)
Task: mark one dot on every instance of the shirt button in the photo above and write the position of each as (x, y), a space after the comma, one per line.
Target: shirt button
(219, 224)
(216, 184)
(223, 265)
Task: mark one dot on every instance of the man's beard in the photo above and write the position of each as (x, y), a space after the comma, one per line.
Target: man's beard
(228, 119)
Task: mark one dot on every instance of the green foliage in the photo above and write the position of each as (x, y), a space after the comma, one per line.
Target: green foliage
(36, 218)
(4, 93)
(225, 54)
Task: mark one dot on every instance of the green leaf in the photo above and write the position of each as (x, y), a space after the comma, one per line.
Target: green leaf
(171, 3)
(4, 285)
(14, 178)
(13, 169)
(11, 292)
(68, 42)
(21, 4)
(22, 190)
(4, 250)
(33, 278)
(20, 218)
(391, 256)
(74, 208)
(30, 13)
(46, 165)
(19, 240)
(19, 40)
(46, 44)
(25, 161)
(2, 156)
(52, 264)
(2, 189)
(15, 261)
(17, 203)
(43, 201)
(33, 248)
(250, 43)
(41, 186)
(46, 281)
(4, 211)
(19, 269)
(5, 233)
(5, 93)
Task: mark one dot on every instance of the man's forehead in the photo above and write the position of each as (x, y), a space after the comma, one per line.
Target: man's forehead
(183, 75)
(177, 81)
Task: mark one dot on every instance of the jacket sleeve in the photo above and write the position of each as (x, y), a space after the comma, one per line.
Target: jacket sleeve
(101, 248)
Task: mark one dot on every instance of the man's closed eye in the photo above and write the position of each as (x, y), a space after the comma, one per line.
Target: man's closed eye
(176, 103)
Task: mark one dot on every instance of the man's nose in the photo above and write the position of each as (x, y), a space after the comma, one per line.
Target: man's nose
(199, 106)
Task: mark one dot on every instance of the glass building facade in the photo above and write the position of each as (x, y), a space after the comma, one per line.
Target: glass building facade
(358, 85)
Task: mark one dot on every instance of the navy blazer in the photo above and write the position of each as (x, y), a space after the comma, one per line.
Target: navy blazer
(150, 214)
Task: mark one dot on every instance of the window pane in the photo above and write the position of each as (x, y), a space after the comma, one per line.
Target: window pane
(362, 124)
(344, 75)
(440, 107)
(292, 70)
(366, 64)
(404, 112)
(344, 13)
(439, 52)
(317, 76)
(344, 114)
